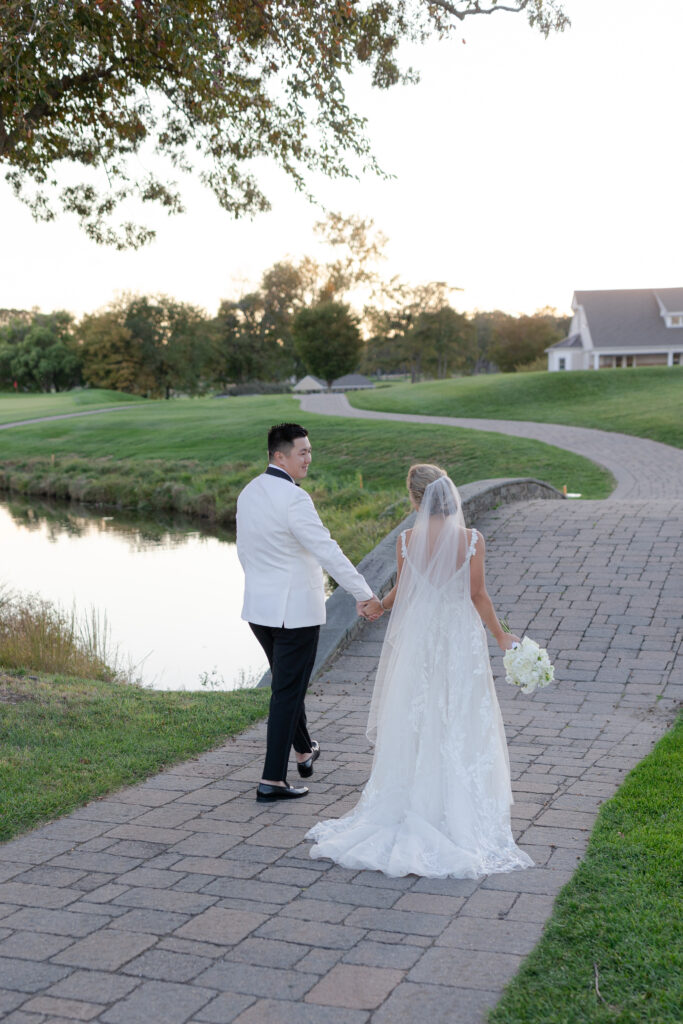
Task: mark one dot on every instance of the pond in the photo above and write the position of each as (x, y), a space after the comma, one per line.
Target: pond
(171, 590)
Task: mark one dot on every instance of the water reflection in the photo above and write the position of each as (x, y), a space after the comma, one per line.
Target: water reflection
(172, 591)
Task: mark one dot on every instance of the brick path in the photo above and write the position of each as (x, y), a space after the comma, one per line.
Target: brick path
(182, 900)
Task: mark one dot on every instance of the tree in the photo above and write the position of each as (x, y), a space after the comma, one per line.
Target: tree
(112, 357)
(241, 350)
(360, 246)
(253, 335)
(519, 340)
(445, 339)
(395, 339)
(283, 293)
(172, 338)
(225, 82)
(328, 340)
(485, 324)
(146, 346)
(40, 354)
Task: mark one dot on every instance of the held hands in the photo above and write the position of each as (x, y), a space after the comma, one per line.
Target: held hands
(371, 609)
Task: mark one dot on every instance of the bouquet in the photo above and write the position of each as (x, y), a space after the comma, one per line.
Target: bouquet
(528, 666)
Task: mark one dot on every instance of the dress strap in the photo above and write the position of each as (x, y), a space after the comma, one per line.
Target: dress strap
(473, 543)
(404, 549)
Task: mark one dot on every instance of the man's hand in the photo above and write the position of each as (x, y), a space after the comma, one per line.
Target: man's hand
(371, 609)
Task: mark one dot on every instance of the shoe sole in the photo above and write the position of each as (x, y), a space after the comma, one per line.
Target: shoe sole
(262, 799)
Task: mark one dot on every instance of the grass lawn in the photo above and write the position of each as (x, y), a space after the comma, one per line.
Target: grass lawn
(646, 402)
(621, 914)
(26, 407)
(65, 741)
(194, 456)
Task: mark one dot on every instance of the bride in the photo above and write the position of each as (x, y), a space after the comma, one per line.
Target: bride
(437, 802)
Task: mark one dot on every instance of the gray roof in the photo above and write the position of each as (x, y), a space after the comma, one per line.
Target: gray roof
(573, 341)
(309, 383)
(352, 380)
(671, 299)
(631, 318)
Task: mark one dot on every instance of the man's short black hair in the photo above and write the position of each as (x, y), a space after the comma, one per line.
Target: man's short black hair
(282, 436)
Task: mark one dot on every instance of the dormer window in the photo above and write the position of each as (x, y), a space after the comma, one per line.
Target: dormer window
(675, 320)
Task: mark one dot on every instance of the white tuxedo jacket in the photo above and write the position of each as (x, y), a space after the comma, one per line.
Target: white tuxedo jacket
(283, 547)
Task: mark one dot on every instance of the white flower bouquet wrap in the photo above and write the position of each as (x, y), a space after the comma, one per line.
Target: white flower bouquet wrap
(528, 666)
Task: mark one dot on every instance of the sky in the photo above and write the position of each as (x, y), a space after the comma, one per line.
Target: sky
(524, 169)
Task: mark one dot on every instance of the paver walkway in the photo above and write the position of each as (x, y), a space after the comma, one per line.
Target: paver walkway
(641, 468)
(183, 900)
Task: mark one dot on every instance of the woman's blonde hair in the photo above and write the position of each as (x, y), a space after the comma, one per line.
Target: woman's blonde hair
(420, 476)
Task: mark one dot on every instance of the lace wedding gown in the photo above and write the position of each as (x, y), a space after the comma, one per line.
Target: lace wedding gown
(438, 799)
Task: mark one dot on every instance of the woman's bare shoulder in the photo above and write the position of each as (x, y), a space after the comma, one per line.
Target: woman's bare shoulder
(475, 540)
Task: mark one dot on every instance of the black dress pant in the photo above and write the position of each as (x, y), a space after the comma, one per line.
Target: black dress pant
(291, 655)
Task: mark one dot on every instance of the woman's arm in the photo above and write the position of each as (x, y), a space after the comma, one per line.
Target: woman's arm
(375, 608)
(482, 601)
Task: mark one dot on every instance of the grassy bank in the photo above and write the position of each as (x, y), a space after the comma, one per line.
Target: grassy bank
(74, 728)
(645, 402)
(26, 407)
(620, 918)
(195, 456)
(64, 741)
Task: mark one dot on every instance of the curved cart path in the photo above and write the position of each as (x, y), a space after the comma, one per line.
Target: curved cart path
(641, 468)
(182, 900)
(65, 416)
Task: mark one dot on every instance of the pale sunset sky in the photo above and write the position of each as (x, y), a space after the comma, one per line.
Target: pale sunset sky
(524, 169)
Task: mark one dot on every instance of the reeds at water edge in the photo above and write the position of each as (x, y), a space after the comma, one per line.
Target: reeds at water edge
(40, 636)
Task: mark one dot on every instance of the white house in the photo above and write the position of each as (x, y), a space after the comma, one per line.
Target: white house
(626, 327)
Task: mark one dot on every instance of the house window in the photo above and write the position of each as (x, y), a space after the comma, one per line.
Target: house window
(676, 320)
(562, 363)
(619, 361)
(677, 358)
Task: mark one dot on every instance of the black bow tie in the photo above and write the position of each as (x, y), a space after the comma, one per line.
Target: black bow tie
(272, 471)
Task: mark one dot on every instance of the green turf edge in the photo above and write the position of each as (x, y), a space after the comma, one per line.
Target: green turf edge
(621, 913)
(642, 401)
(16, 407)
(194, 458)
(68, 741)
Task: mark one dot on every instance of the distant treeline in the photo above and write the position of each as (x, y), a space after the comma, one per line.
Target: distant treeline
(158, 347)
(297, 321)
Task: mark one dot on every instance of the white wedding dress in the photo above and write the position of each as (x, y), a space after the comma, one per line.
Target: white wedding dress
(438, 799)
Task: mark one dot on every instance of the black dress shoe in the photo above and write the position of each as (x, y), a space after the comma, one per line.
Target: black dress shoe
(306, 767)
(286, 792)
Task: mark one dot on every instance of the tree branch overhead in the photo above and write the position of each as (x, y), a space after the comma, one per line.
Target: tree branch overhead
(210, 85)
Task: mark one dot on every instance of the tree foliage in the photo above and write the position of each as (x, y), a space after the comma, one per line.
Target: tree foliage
(253, 334)
(328, 340)
(517, 340)
(39, 353)
(146, 347)
(415, 329)
(209, 85)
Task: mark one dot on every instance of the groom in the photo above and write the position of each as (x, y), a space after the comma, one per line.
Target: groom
(283, 547)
